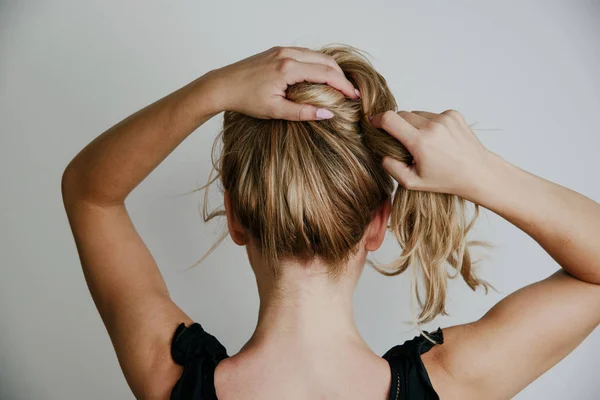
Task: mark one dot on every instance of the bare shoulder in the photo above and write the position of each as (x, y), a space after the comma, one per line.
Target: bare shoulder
(444, 381)
(538, 325)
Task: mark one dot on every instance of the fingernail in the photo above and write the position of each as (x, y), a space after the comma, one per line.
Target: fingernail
(370, 117)
(323, 113)
(357, 92)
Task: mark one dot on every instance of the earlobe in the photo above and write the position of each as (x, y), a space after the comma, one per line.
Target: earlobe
(236, 231)
(378, 227)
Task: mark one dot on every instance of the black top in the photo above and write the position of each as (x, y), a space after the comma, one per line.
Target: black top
(199, 352)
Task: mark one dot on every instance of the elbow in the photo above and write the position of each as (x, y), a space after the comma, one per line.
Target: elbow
(79, 187)
(69, 185)
(75, 189)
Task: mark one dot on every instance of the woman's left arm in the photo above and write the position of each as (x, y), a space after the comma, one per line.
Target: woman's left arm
(123, 278)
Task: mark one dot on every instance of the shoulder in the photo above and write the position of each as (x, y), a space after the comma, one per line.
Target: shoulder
(528, 325)
(439, 363)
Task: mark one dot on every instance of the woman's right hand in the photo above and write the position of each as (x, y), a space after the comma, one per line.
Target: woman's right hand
(256, 86)
(448, 157)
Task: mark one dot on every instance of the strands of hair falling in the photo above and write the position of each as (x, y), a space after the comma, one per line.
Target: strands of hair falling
(310, 189)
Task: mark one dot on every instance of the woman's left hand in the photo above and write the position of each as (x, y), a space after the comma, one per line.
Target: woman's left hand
(256, 86)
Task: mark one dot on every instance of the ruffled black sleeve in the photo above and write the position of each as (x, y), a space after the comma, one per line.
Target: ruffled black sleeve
(410, 380)
(199, 353)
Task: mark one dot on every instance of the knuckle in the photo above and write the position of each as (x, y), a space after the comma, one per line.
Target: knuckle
(300, 112)
(408, 183)
(387, 118)
(431, 126)
(277, 50)
(329, 70)
(286, 64)
(333, 63)
(439, 127)
(457, 116)
(445, 119)
(453, 114)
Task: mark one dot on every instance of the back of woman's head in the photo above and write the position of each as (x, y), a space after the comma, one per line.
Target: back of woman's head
(309, 189)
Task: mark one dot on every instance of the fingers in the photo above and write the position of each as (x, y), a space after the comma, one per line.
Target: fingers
(298, 71)
(396, 126)
(415, 120)
(426, 114)
(321, 73)
(448, 117)
(314, 66)
(456, 116)
(403, 173)
(310, 56)
(292, 111)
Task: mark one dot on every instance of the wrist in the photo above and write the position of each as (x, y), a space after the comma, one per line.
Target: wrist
(210, 93)
(490, 180)
(217, 85)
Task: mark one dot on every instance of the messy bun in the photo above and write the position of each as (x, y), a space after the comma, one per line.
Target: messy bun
(306, 189)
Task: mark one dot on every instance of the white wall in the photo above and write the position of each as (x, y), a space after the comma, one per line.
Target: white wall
(71, 69)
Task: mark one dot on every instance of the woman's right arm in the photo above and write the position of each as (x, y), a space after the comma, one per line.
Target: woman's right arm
(532, 329)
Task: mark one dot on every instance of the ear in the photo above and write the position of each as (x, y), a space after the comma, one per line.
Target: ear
(378, 226)
(236, 230)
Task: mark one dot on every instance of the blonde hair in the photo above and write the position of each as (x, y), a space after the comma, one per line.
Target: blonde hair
(310, 189)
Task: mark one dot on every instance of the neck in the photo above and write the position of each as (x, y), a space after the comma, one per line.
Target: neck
(306, 308)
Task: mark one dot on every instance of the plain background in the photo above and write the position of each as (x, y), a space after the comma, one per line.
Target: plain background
(69, 70)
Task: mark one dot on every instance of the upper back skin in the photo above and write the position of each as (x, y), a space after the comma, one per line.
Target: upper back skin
(356, 376)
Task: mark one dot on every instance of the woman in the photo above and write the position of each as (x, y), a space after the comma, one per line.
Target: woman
(307, 192)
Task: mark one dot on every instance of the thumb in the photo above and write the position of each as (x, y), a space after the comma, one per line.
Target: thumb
(404, 174)
(302, 112)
